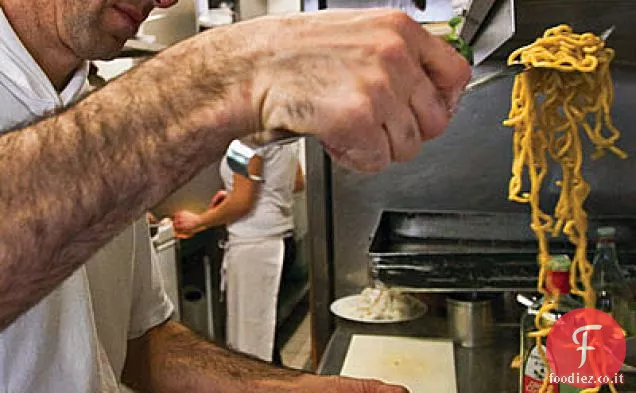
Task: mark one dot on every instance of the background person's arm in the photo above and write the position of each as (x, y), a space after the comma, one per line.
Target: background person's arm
(232, 207)
(299, 181)
(172, 359)
(371, 85)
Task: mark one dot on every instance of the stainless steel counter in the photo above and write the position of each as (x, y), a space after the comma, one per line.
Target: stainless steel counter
(478, 370)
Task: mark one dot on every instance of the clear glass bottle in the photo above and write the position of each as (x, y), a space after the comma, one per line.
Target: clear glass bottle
(613, 294)
(533, 369)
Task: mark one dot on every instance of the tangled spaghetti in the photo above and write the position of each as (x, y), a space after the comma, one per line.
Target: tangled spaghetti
(567, 87)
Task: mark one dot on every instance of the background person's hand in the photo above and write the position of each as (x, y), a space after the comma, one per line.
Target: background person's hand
(186, 224)
(372, 85)
(217, 199)
(151, 218)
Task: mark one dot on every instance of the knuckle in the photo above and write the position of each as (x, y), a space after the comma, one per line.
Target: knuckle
(370, 159)
(393, 48)
(375, 167)
(359, 107)
(434, 120)
(377, 84)
(466, 72)
(377, 161)
(436, 128)
(411, 146)
(399, 18)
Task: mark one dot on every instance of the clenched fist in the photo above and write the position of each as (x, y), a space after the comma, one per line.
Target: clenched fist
(371, 85)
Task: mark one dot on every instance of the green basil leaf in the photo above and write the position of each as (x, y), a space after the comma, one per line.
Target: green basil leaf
(455, 21)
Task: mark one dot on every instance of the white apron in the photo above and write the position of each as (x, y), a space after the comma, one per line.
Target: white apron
(251, 276)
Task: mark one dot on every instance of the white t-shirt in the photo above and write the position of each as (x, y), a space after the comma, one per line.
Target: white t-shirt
(273, 213)
(74, 340)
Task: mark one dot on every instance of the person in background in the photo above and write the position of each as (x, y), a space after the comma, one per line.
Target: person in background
(81, 307)
(261, 245)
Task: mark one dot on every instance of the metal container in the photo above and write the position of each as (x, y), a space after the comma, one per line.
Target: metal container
(470, 319)
(195, 310)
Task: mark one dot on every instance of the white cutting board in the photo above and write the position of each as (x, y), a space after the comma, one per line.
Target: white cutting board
(421, 365)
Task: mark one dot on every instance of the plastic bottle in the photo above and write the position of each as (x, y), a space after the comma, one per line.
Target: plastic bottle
(613, 294)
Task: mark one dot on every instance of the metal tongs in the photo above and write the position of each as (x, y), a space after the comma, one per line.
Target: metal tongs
(513, 69)
(241, 151)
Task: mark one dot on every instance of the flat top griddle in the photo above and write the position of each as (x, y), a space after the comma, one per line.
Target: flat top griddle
(455, 250)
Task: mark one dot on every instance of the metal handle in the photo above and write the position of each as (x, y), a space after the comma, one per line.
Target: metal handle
(484, 80)
(529, 303)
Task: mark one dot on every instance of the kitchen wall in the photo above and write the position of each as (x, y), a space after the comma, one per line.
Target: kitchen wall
(468, 169)
(171, 25)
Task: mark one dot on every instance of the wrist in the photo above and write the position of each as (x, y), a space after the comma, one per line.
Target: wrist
(228, 64)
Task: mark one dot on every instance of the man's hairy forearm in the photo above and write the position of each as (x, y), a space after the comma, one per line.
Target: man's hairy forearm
(69, 183)
(170, 359)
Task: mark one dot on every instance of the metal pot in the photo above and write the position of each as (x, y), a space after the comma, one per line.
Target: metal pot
(470, 319)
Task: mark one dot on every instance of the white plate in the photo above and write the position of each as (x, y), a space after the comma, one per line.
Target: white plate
(346, 308)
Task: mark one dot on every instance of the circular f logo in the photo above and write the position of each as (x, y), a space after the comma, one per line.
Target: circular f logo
(584, 347)
(587, 347)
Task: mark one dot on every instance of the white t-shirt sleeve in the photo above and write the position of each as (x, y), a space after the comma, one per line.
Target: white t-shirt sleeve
(150, 303)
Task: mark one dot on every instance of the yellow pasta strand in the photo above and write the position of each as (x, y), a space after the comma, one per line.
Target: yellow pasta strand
(567, 87)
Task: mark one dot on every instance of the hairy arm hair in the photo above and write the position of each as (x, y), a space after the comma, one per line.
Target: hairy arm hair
(72, 181)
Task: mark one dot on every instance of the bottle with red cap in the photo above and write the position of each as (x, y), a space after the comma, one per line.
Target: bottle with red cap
(533, 369)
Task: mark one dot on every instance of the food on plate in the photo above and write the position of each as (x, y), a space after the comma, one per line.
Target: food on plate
(385, 304)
